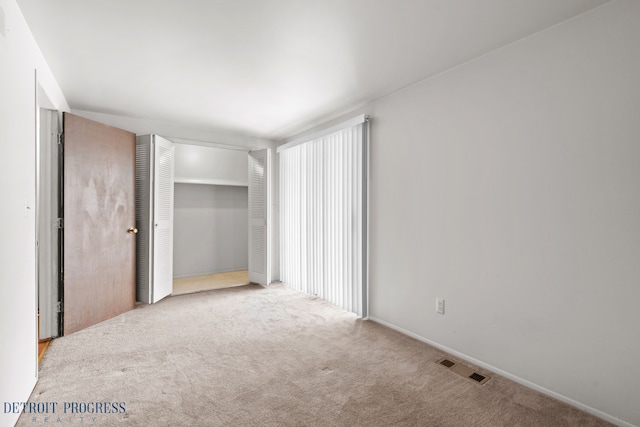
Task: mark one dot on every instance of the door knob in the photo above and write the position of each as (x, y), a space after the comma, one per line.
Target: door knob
(132, 230)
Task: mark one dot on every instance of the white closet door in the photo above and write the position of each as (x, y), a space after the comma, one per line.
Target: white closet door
(163, 218)
(259, 217)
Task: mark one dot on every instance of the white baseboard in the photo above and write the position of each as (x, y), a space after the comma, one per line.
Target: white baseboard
(529, 384)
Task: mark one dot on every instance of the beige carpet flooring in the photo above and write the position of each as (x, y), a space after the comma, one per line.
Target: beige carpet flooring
(188, 285)
(253, 356)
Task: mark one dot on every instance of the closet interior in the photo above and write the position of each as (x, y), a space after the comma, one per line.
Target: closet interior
(210, 222)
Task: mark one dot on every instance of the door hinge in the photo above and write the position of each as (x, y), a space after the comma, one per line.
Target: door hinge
(59, 307)
(60, 138)
(59, 222)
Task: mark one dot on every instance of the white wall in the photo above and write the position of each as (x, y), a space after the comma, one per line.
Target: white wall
(200, 164)
(510, 186)
(211, 221)
(210, 231)
(19, 57)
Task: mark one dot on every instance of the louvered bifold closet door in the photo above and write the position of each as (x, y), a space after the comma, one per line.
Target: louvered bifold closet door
(259, 217)
(144, 218)
(323, 217)
(163, 218)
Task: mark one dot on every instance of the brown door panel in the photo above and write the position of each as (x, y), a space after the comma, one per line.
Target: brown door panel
(99, 208)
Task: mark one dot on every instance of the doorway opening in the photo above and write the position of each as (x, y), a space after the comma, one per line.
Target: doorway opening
(221, 217)
(47, 234)
(210, 237)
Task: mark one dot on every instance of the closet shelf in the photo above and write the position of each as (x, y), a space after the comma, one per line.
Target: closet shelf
(179, 180)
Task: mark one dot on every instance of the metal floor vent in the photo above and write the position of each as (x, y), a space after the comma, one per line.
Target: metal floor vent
(448, 363)
(463, 370)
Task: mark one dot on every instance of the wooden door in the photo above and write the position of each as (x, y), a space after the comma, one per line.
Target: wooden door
(99, 220)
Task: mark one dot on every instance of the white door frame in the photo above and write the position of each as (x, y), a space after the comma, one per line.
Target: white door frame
(46, 215)
(48, 126)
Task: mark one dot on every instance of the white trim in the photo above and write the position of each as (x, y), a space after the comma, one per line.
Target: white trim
(529, 384)
(366, 179)
(351, 122)
(37, 209)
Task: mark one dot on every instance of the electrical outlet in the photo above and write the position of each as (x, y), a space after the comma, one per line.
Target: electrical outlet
(440, 305)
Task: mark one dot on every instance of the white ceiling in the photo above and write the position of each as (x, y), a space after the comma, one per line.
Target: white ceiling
(266, 68)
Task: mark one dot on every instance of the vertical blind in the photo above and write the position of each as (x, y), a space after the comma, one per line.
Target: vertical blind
(323, 217)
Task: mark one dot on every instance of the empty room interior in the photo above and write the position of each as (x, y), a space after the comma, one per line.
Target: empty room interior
(354, 212)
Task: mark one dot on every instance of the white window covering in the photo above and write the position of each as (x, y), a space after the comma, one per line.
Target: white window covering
(323, 217)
